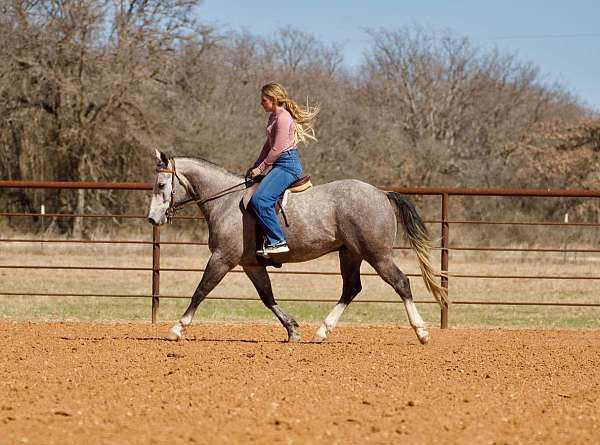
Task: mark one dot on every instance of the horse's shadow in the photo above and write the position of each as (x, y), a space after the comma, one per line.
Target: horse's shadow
(200, 340)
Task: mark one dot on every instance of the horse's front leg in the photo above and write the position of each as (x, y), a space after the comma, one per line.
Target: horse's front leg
(215, 270)
(262, 283)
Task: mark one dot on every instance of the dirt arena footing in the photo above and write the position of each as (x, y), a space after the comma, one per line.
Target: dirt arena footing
(92, 383)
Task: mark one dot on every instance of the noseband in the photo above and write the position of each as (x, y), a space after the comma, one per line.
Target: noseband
(174, 207)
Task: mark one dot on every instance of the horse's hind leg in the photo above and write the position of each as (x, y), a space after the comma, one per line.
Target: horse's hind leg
(387, 270)
(262, 283)
(350, 268)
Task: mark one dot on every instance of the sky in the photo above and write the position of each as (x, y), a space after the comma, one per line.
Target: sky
(561, 37)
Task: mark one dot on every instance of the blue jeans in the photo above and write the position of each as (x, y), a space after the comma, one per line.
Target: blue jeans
(285, 171)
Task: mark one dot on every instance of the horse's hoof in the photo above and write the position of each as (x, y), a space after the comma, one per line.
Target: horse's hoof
(317, 339)
(175, 333)
(422, 335)
(320, 335)
(294, 337)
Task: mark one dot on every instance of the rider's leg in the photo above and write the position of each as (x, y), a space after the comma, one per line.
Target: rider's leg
(264, 199)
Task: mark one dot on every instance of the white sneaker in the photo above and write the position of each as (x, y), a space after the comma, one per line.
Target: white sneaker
(281, 247)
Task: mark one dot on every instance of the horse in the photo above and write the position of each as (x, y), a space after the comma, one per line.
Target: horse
(354, 218)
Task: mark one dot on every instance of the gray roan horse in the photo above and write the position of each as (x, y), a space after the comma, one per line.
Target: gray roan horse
(351, 217)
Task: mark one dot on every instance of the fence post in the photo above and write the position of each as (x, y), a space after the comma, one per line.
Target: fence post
(155, 271)
(444, 268)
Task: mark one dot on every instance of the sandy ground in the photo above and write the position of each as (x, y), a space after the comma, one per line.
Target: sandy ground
(67, 383)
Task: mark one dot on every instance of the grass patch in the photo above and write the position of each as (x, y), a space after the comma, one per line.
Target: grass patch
(24, 281)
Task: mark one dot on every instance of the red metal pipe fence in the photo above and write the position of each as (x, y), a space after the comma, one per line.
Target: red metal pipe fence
(443, 192)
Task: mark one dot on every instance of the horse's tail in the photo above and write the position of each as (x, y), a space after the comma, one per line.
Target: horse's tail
(418, 237)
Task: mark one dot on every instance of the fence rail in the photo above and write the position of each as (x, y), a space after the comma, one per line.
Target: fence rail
(445, 222)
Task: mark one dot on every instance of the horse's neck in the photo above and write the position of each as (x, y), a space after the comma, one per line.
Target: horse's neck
(205, 178)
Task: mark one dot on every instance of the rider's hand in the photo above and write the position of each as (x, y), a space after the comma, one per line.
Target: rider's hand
(249, 173)
(255, 172)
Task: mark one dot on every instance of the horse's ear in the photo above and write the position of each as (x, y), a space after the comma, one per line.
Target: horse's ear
(161, 159)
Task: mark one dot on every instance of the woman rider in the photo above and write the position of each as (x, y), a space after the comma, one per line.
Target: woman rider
(288, 125)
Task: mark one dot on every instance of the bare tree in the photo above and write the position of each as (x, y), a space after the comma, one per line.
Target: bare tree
(294, 50)
(443, 89)
(88, 86)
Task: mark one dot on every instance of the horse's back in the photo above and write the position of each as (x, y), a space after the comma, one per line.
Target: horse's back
(346, 198)
(347, 212)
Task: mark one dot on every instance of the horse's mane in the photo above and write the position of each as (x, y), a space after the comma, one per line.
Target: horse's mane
(202, 161)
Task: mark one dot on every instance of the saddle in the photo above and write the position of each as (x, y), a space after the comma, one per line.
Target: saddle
(300, 185)
(296, 187)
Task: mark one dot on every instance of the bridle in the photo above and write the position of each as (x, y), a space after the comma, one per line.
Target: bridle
(176, 206)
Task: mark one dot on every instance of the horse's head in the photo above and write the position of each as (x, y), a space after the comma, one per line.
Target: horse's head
(167, 190)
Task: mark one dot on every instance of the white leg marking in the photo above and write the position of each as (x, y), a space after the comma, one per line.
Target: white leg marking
(422, 335)
(186, 320)
(330, 322)
(413, 315)
(416, 321)
(176, 331)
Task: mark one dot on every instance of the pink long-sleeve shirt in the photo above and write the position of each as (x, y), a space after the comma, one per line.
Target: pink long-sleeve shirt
(280, 138)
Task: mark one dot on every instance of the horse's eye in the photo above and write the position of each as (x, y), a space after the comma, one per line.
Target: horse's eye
(161, 185)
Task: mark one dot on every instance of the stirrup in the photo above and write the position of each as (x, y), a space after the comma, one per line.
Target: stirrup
(262, 252)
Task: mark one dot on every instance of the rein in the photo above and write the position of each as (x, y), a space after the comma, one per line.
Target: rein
(174, 207)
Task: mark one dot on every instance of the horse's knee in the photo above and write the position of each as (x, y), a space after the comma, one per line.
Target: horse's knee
(268, 301)
(357, 288)
(352, 289)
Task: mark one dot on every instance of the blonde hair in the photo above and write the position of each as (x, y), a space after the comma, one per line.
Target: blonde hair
(303, 117)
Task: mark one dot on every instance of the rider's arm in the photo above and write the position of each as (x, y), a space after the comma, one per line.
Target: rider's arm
(281, 135)
(263, 154)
